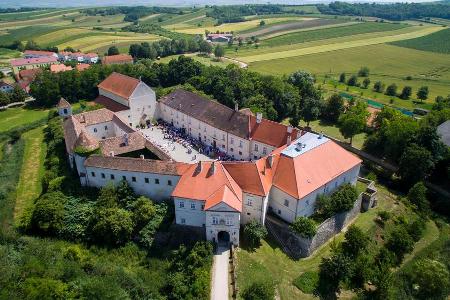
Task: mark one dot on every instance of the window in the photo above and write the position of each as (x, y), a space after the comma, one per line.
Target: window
(223, 146)
(231, 149)
(106, 127)
(335, 184)
(307, 202)
(248, 214)
(156, 181)
(256, 147)
(133, 179)
(95, 129)
(181, 204)
(215, 220)
(146, 180)
(103, 175)
(240, 144)
(203, 206)
(231, 141)
(183, 221)
(169, 182)
(131, 124)
(286, 203)
(112, 176)
(279, 212)
(124, 178)
(264, 150)
(229, 221)
(223, 137)
(192, 205)
(240, 152)
(93, 174)
(249, 202)
(65, 110)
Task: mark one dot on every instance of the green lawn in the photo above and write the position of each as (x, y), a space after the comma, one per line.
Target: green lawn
(268, 262)
(30, 185)
(208, 61)
(435, 42)
(15, 117)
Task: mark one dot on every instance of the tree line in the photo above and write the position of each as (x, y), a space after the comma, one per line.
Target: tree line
(132, 13)
(394, 11)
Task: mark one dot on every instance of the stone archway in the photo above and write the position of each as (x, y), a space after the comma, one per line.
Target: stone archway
(223, 237)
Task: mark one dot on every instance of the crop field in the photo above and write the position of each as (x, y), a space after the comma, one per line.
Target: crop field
(339, 46)
(24, 34)
(31, 15)
(290, 26)
(390, 64)
(435, 42)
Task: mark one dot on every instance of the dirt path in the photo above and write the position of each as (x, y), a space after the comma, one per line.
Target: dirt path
(219, 284)
(241, 64)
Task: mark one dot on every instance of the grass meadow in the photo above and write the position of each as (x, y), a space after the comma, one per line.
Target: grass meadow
(16, 117)
(436, 42)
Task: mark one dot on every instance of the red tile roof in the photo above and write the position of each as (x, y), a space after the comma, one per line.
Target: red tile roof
(29, 74)
(110, 104)
(117, 59)
(86, 141)
(94, 117)
(38, 52)
(60, 68)
(204, 185)
(63, 103)
(311, 170)
(33, 61)
(270, 132)
(116, 144)
(224, 195)
(82, 67)
(119, 84)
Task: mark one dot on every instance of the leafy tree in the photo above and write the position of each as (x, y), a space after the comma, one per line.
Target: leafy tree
(254, 232)
(366, 83)
(48, 213)
(143, 210)
(45, 89)
(353, 121)
(378, 87)
(352, 81)
(18, 95)
(422, 93)
(259, 103)
(304, 82)
(406, 92)
(333, 271)
(415, 164)
(295, 118)
(4, 99)
(391, 90)
(113, 50)
(205, 47)
(363, 72)
(334, 107)
(355, 242)
(342, 77)
(396, 134)
(108, 196)
(113, 226)
(45, 288)
(219, 51)
(259, 291)
(262, 23)
(311, 109)
(417, 195)
(343, 198)
(125, 194)
(400, 243)
(432, 279)
(305, 227)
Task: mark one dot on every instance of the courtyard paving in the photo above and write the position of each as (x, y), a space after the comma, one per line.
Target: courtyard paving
(175, 150)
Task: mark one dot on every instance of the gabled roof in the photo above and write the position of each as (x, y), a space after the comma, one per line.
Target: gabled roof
(81, 67)
(300, 175)
(117, 59)
(270, 132)
(223, 195)
(208, 111)
(246, 175)
(120, 85)
(86, 141)
(204, 184)
(110, 104)
(135, 164)
(94, 117)
(33, 61)
(72, 128)
(60, 68)
(116, 144)
(63, 103)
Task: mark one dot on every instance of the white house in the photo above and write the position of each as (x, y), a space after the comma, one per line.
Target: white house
(64, 108)
(6, 87)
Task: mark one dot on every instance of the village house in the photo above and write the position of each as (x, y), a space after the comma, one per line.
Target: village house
(6, 87)
(219, 37)
(119, 59)
(32, 63)
(89, 58)
(60, 68)
(286, 178)
(39, 54)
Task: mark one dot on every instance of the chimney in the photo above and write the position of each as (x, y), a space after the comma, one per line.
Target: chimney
(270, 160)
(321, 135)
(125, 139)
(141, 156)
(213, 168)
(288, 141)
(111, 153)
(236, 106)
(258, 117)
(299, 147)
(289, 129)
(199, 166)
(83, 119)
(264, 170)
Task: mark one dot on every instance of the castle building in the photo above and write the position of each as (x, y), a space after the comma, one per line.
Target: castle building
(277, 168)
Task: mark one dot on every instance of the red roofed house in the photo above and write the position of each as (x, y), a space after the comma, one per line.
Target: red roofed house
(118, 59)
(38, 54)
(60, 68)
(32, 63)
(130, 97)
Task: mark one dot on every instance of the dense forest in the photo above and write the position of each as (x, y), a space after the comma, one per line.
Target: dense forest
(396, 11)
(132, 13)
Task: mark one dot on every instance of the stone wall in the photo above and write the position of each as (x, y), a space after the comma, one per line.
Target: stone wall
(298, 247)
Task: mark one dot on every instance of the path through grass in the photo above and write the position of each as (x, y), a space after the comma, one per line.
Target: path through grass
(29, 186)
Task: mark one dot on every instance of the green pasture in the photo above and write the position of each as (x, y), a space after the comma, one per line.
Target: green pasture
(436, 42)
(15, 117)
(387, 63)
(24, 33)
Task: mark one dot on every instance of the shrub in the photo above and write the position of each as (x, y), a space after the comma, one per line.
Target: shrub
(355, 241)
(344, 198)
(305, 227)
(378, 87)
(307, 282)
(259, 291)
(48, 213)
(400, 243)
(45, 288)
(416, 228)
(417, 195)
(391, 90)
(352, 81)
(254, 232)
(431, 278)
(113, 226)
(363, 72)
(143, 210)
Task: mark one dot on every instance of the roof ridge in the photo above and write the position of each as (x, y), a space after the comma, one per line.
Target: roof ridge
(228, 177)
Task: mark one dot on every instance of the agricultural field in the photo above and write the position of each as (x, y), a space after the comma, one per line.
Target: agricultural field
(436, 42)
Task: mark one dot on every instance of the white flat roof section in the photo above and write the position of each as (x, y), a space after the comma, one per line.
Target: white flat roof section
(303, 144)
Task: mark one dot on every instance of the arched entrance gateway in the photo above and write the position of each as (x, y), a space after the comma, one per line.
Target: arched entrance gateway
(223, 238)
